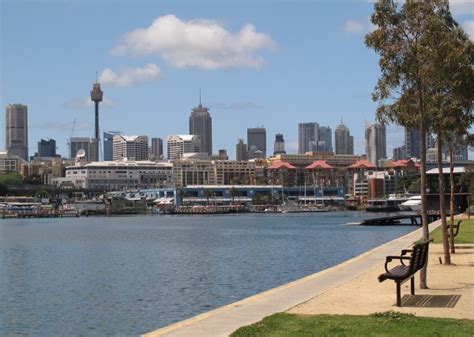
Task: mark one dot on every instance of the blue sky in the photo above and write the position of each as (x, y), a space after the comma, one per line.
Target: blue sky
(259, 63)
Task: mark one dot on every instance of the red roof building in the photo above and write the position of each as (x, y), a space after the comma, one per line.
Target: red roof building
(362, 164)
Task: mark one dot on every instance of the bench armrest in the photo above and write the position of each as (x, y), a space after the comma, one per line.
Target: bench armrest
(389, 259)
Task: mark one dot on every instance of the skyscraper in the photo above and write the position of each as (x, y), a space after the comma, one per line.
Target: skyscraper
(375, 142)
(157, 148)
(241, 151)
(46, 148)
(84, 143)
(200, 124)
(279, 145)
(16, 130)
(308, 136)
(412, 143)
(344, 140)
(109, 144)
(325, 139)
(257, 142)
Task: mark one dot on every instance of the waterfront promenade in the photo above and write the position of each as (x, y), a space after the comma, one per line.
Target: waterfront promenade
(348, 288)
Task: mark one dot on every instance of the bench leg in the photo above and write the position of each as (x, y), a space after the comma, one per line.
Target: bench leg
(399, 296)
(412, 281)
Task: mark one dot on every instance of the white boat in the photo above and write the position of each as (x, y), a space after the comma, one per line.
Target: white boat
(412, 204)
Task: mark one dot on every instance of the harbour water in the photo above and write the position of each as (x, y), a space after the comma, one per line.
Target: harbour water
(129, 275)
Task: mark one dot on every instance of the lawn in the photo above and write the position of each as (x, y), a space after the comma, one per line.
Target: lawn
(381, 324)
(466, 232)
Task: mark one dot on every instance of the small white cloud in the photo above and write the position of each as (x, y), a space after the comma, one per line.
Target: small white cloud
(200, 44)
(461, 7)
(126, 77)
(353, 26)
(235, 106)
(77, 103)
(468, 27)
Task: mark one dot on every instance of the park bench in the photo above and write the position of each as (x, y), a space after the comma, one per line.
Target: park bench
(455, 229)
(411, 261)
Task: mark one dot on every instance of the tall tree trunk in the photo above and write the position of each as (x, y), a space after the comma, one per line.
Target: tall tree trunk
(424, 216)
(451, 197)
(442, 201)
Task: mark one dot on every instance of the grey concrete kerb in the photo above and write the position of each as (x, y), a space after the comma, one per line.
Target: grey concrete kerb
(224, 320)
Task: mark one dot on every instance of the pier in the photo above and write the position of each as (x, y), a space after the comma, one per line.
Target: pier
(410, 219)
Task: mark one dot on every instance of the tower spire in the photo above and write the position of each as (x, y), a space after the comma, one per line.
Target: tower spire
(200, 97)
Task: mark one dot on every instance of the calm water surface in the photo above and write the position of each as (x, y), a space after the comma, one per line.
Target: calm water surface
(130, 275)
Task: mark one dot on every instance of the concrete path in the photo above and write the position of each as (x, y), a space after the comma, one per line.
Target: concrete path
(225, 320)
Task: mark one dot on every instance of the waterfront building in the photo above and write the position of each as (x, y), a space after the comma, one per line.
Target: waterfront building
(12, 163)
(16, 130)
(178, 145)
(117, 175)
(46, 148)
(241, 151)
(257, 142)
(229, 172)
(375, 142)
(49, 168)
(109, 144)
(308, 136)
(193, 172)
(283, 173)
(156, 148)
(130, 147)
(279, 145)
(325, 139)
(358, 181)
(344, 140)
(84, 143)
(200, 124)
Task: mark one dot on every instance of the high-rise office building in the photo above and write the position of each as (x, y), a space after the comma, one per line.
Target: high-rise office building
(279, 145)
(156, 148)
(109, 144)
(200, 124)
(241, 151)
(308, 136)
(46, 148)
(130, 147)
(344, 140)
(325, 139)
(16, 130)
(412, 143)
(257, 142)
(399, 153)
(178, 145)
(375, 142)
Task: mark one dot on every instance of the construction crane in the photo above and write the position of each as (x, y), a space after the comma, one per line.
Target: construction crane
(72, 133)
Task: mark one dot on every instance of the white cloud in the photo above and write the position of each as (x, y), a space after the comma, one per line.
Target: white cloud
(85, 103)
(461, 7)
(468, 27)
(353, 26)
(200, 44)
(126, 77)
(235, 106)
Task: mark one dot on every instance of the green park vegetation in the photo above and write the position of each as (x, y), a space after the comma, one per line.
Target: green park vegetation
(378, 324)
(466, 233)
(11, 179)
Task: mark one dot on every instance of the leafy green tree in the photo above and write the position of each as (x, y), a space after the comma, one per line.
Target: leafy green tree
(41, 193)
(208, 193)
(3, 189)
(234, 193)
(408, 38)
(12, 178)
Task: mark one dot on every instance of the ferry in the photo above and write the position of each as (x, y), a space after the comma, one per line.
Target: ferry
(412, 204)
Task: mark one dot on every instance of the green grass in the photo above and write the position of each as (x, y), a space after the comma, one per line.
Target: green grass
(466, 232)
(381, 324)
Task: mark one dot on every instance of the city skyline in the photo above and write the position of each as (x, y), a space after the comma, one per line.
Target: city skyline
(280, 80)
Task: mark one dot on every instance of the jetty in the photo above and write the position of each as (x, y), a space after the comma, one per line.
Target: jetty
(397, 220)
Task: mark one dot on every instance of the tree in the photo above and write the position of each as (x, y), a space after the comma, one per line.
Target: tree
(208, 193)
(40, 193)
(3, 189)
(405, 38)
(12, 178)
(234, 193)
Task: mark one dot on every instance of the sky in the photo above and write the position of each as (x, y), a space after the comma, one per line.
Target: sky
(258, 63)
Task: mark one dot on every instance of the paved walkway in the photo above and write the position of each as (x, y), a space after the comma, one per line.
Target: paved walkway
(224, 320)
